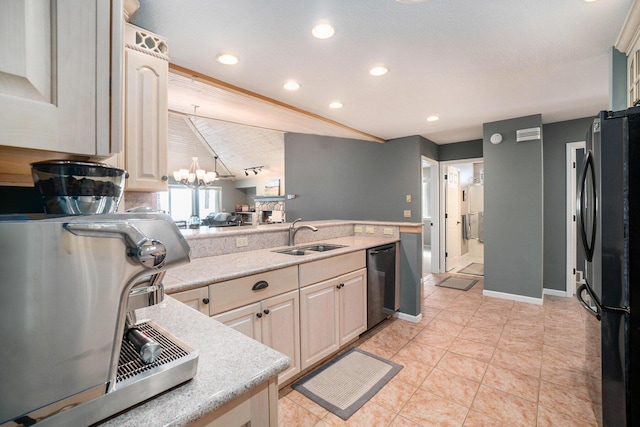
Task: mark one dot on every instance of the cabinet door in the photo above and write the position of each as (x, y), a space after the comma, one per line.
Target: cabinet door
(280, 329)
(318, 322)
(352, 297)
(146, 84)
(55, 71)
(244, 320)
(198, 299)
(256, 408)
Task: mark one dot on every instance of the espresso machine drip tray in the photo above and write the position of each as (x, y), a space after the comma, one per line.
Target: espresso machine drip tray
(135, 381)
(131, 365)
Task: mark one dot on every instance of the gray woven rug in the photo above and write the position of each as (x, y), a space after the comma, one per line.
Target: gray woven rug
(474, 268)
(343, 385)
(457, 283)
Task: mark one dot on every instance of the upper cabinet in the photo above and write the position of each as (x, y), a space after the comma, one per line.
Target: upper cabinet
(60, 74)
(629, 43)
(146, 84)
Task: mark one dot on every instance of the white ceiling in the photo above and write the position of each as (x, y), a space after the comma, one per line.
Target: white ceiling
(467, 61)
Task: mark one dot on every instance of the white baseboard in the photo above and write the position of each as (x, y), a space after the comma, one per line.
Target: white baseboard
(554, 292)
(408, 317)
(513, 297)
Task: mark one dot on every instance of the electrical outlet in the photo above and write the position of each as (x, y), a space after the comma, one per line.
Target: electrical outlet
(371, 229)
(408, 198)
(388, 231)
(357, 229)
(241, 242)
(407, 213)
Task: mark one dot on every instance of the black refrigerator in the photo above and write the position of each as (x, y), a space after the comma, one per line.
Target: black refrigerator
(609, 229)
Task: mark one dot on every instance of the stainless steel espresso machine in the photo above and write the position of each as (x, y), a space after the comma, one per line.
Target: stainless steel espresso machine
(73, 352)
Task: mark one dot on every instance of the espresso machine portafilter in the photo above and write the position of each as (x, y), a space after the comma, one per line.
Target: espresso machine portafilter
(69, 287)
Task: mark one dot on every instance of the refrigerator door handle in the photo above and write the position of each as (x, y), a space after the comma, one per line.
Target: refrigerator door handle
(587, 243)
(595, 312)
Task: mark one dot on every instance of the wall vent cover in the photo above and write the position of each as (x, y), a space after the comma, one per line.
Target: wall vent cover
(531, 134)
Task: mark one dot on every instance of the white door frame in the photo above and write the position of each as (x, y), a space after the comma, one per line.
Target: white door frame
(435, 211)
(443, 183)
(571, 233)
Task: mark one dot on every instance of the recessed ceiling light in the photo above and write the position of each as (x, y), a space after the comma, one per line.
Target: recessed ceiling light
(336, 104)
(589, 1)
(379, 70)
(323, 30)
(227, 59)
(433, 118)
(291, 85)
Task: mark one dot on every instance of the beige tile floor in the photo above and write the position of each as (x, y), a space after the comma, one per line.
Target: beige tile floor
(475, 361)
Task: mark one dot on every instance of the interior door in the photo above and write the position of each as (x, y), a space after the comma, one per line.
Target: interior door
(453, 233)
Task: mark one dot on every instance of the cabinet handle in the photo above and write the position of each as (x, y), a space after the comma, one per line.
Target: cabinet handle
(260, 285)
(259, 315)
(165, 178)
(266, 311)
(340, 286)
(205, 300)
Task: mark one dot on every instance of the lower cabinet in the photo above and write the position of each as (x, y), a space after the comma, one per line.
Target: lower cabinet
(332, 313)
(256, 408)
(198, 299)
(274, 322)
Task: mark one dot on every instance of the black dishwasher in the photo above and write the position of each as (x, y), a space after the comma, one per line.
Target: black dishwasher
(383, 290)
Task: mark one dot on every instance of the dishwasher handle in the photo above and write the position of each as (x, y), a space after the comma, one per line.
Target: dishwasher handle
(382, 251)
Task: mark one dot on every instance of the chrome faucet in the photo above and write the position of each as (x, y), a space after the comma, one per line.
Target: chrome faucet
(293, 230)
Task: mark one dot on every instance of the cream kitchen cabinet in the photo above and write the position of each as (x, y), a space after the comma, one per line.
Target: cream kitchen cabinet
(264, 307)
(333, 312)
(146, 110)
(60, 76)
(273, 322)
(256, 408)
(198, 299)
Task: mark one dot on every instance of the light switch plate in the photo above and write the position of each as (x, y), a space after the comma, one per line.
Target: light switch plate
(407, 213)
(387, 231)
(241, 242)
(357, 229)
(371, 229)
(408, 198)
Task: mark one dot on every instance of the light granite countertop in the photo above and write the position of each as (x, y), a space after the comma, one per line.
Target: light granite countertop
(229, 365)
(204, 271)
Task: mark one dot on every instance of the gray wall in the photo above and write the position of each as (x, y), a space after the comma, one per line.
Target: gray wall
(556, 136)
(411, 273)
(231, 196)
(460, 150)
(617, 80)
(338, 178)
(513, 226)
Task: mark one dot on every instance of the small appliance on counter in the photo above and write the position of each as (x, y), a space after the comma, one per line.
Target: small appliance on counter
(73, 351)
(76, 188)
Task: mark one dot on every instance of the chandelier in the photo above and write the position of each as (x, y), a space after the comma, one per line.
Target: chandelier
(194, 177)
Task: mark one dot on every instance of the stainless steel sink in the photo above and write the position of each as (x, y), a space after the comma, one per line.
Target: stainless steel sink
(291, 251)
(323, 248)
(307, 250)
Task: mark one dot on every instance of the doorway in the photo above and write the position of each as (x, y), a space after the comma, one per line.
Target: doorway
(463, 217)
(430, 208)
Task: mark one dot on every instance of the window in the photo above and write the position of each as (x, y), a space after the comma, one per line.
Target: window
(209, 200)
(182, 203)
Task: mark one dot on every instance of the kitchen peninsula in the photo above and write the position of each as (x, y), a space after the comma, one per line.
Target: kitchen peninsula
(231, 364)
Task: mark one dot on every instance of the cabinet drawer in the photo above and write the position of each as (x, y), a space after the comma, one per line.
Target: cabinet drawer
(238, 292)
(317, 271)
